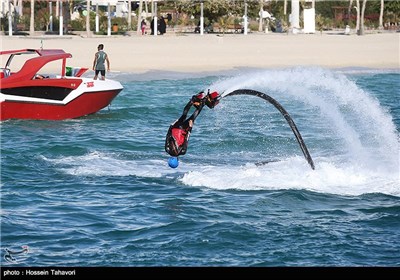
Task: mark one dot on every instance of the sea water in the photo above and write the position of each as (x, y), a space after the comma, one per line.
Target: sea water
(97, 191)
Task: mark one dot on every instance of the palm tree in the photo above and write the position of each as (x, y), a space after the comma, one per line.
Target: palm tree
(88, 18)
(349, 11)
(139, 17)
(362, 17)
(260, 24)
(285, 7)
(129, 15)
(381, 16)
(32, 21)
(358, 17)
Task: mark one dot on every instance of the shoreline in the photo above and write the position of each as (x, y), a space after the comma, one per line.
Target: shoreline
(171, 75)
(194, 53)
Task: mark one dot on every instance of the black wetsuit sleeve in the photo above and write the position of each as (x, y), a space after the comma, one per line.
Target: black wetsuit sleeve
(182, 121)
(196, 113)
(185, 111)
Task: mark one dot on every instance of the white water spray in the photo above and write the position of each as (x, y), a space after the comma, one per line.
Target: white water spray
(362, 158)
(364, 127)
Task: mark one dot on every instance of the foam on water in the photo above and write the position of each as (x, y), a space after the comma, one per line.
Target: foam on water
(290, 173)
(108, 164)
(293, 173)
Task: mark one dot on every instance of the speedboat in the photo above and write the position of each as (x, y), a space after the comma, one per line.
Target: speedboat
(45, 88)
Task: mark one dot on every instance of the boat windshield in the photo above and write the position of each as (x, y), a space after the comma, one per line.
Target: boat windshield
(51, 67)
(16, 62)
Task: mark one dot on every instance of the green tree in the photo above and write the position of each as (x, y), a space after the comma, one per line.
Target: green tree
(213, 9)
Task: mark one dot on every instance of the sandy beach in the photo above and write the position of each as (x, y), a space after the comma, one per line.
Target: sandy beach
(211, 52)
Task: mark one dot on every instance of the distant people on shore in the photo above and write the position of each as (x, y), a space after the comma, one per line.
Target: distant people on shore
(161, 26)
(143, 26)
(152, 26)
(169, 19)
(197, 28)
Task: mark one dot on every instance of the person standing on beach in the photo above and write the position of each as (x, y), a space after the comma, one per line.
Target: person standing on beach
(99, 63)
(143, 26)
(152, 26)
(162, 27)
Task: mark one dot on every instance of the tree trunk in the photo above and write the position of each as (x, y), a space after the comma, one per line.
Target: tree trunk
(381, 15)
(349, 12)
(32, 21)
(285, 7)
(129, 15)
(88, 18)
(362, 17)
(139, 18)
(20, 8)
(260, 24)
(358, 17)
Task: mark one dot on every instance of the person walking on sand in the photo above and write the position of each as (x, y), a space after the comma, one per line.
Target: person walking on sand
(99, 63)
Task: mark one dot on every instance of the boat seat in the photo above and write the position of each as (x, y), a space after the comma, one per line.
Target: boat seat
(40, 77)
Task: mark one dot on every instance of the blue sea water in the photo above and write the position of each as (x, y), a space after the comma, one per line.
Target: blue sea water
(97, 191)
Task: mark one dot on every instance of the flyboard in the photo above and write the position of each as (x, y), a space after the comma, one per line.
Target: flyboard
(173, 161)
